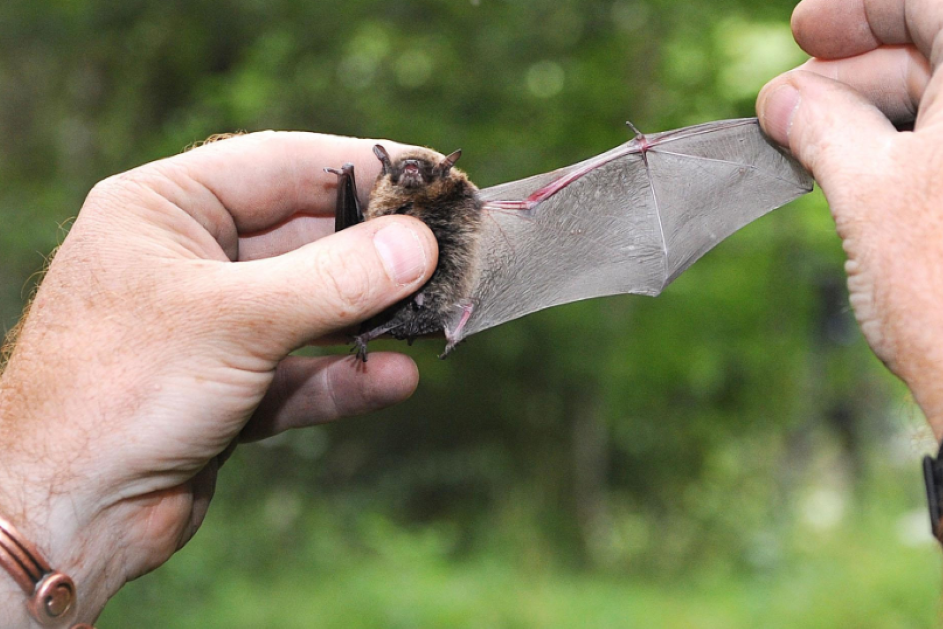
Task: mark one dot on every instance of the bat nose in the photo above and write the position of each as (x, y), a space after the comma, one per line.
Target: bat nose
(411, 176)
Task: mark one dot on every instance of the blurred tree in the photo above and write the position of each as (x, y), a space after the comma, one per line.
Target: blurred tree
(625, 433)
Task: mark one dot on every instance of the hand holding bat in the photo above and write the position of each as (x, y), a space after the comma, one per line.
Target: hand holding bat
(159, 339)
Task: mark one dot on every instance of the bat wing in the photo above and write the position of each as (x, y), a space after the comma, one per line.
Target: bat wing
(627, 221)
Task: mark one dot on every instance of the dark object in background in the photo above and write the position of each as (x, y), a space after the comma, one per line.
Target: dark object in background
(630, 220)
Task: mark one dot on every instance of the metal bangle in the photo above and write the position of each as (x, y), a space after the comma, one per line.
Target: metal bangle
(51, 593)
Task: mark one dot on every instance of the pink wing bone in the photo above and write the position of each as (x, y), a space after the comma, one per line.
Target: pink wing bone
(640, 144)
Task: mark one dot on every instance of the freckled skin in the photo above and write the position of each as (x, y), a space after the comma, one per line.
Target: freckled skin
(421, 184)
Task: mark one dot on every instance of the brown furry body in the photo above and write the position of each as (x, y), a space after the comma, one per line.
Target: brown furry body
(422, 184)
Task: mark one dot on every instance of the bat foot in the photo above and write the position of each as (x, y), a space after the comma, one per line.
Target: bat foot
(360, 348)
(451, 345)
(454, 337)
(366, 335)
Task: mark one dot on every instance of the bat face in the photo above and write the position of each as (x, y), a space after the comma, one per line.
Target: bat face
(627, 221)
(413, 173)
(419, 183)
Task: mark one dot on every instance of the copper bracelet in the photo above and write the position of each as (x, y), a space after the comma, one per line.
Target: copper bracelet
(51, 593)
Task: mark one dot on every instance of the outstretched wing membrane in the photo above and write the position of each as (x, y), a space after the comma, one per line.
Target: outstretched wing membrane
(627, 221)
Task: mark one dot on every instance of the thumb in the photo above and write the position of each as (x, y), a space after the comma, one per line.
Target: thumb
(832, 129)
(332, 283)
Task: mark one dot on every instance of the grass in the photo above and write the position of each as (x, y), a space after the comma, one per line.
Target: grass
(863, 573)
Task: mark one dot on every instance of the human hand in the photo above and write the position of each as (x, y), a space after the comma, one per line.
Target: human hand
(159, 337)
(876, 65)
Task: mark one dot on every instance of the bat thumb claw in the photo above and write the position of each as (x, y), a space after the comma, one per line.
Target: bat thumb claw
(638, 134)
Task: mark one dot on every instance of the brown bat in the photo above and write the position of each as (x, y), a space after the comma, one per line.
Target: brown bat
(627, 221)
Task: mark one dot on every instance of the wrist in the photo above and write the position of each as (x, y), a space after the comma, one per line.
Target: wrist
(50, 594)
(63, 542)
(42, 588)
(43, 501)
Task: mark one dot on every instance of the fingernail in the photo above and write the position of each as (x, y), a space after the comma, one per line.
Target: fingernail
(402, 253)
(779, 108)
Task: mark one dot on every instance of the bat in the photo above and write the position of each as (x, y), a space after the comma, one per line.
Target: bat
(629, 220)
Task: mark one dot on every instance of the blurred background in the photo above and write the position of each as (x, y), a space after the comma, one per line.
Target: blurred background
(727, 455)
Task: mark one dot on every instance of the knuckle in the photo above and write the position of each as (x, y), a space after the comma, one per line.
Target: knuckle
(105, 192)
(346, 279)
(122, 187)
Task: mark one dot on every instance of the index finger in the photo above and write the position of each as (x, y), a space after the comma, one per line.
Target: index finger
(255, 183)
(263, 178)
(834, 29)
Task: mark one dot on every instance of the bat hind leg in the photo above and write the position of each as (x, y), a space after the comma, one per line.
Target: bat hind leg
(360, 340)
(454, 337)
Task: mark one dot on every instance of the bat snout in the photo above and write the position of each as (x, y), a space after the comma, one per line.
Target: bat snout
(412, 174)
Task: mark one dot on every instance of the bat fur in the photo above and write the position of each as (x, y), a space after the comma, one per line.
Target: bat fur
(422, 184)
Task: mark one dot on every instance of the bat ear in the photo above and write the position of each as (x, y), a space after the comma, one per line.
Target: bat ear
(446, 164)
(384, 158)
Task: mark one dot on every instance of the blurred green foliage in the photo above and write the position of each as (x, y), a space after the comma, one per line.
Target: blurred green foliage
(728, 455)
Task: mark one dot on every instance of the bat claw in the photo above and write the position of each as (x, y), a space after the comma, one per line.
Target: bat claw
(638, 134)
